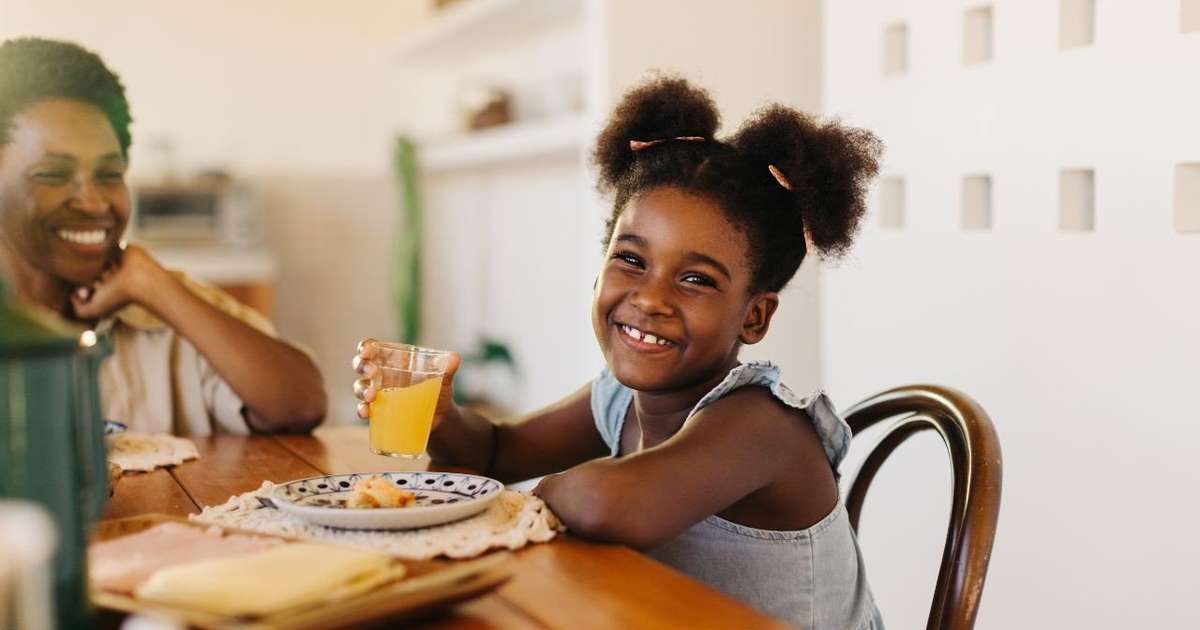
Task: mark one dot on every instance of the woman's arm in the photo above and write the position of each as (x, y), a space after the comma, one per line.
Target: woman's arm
(731, 449)
(546, 441)
(280, 386)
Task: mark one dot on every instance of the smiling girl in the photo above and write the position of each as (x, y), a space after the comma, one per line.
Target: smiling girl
(710, 465)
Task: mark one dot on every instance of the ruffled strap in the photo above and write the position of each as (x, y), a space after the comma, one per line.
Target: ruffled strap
(610, 402)
(832, 430)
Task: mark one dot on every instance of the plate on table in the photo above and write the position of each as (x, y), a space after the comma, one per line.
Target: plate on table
(441, 497)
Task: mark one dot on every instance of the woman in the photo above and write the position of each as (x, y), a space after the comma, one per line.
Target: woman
(186, 358)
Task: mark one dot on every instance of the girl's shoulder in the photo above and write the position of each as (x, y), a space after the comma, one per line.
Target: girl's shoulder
(816, 407)
(610, 400)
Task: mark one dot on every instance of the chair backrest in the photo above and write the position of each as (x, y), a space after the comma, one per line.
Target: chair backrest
(975, 507)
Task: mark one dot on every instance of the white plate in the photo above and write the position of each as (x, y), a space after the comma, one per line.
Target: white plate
(442, 497)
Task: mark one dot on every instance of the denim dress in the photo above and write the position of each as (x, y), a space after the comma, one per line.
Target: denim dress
(813, 578)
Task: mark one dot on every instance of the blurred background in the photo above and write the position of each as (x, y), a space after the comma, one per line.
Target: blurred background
(1033, 240)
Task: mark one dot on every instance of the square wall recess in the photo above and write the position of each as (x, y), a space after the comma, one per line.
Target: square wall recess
(1189, 16)
(1077, 200)
(891, 203)
(1187, 198)
(1076, 23)
(976, 211)
(977, 35)
(895, 49)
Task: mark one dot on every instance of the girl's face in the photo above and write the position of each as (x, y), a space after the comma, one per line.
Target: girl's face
(672, 303)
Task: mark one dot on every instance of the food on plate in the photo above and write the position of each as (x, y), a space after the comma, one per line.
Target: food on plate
(122, 563)
(379, 492)
(257, 584)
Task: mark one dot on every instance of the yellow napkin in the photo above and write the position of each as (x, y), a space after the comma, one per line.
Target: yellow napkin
(265, 582)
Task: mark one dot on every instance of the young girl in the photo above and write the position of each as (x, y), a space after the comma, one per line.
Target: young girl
(710, 465)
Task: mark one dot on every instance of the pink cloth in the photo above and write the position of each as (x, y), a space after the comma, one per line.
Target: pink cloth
(122, 563)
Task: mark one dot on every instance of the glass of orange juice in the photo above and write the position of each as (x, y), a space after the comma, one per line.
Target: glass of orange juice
(407, 386)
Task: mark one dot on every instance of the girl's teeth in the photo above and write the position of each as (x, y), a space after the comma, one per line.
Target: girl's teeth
(643, 337)
(83, 237)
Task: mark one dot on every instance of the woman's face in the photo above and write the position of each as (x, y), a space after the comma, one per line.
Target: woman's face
(63, 200)
(673, 300)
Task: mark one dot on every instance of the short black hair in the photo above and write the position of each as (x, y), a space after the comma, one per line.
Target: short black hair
(828, 166)
(34, 69)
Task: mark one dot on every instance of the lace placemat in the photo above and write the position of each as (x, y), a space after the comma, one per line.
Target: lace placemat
(512, 521)
(145, 452)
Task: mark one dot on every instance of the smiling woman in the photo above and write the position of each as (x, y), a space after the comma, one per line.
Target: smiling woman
(186, 358)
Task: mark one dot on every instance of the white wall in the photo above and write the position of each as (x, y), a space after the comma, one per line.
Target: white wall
(286, 94)
(257, 85)
(1081, 346)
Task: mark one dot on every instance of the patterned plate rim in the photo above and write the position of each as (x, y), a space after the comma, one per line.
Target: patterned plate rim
(279, 494)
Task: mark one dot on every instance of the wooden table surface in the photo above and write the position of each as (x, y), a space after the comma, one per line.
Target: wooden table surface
(566, 583)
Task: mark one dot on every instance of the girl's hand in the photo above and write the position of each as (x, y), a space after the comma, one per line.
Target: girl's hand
(365, 386)
(134, 277)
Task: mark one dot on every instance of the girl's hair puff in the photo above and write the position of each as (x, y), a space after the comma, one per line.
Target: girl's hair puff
(827, 166)
(660, 109)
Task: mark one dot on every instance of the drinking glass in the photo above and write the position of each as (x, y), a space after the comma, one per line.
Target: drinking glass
(407, 384)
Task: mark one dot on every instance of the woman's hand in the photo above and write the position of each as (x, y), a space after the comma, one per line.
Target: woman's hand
(133, 277)
(279, 385)
(367, 369)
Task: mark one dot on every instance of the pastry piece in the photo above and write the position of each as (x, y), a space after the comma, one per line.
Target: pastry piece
(145, 452)
(258, 584)
(379, 492)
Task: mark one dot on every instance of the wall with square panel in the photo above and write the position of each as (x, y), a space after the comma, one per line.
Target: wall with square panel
(1045, 159)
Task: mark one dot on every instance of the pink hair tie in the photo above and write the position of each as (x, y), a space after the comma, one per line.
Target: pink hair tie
(778, 175)
(638, 145)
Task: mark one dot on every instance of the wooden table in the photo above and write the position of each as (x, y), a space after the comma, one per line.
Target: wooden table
(566, 583)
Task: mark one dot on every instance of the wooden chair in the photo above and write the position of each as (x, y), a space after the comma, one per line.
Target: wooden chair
(975, 458)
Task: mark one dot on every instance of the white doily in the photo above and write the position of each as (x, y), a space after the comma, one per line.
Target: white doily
(145, 452)
(513, 520)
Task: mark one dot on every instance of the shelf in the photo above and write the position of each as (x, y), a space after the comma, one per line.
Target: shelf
(218, 264)
(518, 141)
(474, 24)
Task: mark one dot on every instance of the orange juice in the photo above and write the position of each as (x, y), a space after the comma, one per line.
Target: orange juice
(401, 418)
